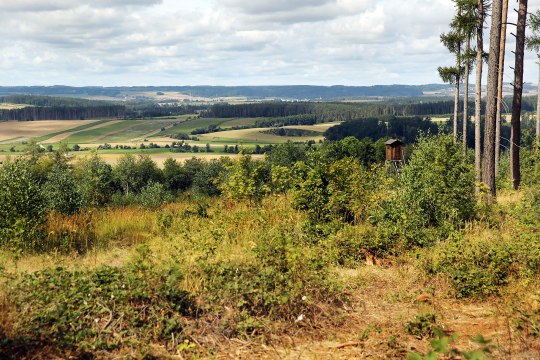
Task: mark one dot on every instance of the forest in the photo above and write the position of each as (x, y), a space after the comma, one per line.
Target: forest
(52, 108)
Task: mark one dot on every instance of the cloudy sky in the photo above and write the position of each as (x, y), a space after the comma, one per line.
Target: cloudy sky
(225, 42)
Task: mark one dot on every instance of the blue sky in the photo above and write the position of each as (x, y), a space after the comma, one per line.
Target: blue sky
(227, 42)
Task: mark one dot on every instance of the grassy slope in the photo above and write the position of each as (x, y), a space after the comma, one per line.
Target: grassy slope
(122, 131)
(382, 298)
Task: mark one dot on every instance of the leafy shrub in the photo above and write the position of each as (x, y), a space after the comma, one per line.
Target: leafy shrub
(475, 268)
(343, 190)
(154, 195)
(61, 191)
(104, 308)
(434, 196)
(437, 184)
(95, 181)
(354, 243)
(285, 281)
(423, 325)
(246, 179)
(22, 207)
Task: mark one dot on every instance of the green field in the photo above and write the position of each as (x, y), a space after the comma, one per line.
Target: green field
(190, 125)
(118, 132)
(251, 136)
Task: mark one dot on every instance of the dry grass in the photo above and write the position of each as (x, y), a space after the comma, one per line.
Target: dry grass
(371, 324)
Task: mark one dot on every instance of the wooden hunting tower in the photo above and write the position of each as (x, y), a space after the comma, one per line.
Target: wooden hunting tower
(394, 150)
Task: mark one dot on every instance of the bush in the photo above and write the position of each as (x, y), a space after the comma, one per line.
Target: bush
(154, 195)
(61, 192)
(434, 195)
(22, 207)
(285, 281)
(246, 179)
(95, 181)
(340, 191)
(99, 309)
(437, 184)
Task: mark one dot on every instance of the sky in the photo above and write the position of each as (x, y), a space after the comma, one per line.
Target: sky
(228, 42)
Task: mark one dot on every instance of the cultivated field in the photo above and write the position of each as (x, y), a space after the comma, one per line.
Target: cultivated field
(16, 131)
(132, 133)
(252, 136)
(8, 106)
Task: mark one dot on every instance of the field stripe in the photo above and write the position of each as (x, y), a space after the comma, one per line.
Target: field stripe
(62, 136)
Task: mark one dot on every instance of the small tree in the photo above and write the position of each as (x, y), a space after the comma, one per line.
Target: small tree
(453, 42)
(95, 180)
(22, 207)
(437, 184)
(246, 180)
(61, 191)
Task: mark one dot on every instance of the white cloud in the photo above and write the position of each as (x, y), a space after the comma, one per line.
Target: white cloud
(173, 42)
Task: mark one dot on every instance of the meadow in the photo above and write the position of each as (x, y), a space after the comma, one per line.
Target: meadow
(312, 251)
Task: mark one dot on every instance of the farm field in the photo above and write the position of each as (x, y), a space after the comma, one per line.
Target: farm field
(16, 131)
(252, 136)
(132, 133)
(8, 106)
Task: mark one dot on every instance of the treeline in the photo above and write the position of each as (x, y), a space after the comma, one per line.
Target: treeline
(52, 101)
(326, 112)
(52, 108)
(140, 110)
(305, 119)
(404, 128)
(408, 129)
(291, 132)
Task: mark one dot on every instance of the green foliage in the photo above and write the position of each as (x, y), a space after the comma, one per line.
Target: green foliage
(423, 325)
(287, 154)
(434, 196)
(437, 185)
(104, 308)
(22, 207)
(475, 269)
(207, 180)
(246, 179)
(442, 349)
(61, 192)
(342, 190)
(285, 281)
(95, 180)
(154, 195)
(134, 173)
(530, 166)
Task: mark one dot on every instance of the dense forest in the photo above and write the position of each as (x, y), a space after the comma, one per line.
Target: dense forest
(325, 112)
(54, 108)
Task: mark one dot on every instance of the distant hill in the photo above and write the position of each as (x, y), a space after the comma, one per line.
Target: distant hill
(293, 92)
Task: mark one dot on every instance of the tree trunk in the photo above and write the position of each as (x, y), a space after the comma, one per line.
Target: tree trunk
(456, 109)
(466, 96)
(538, 103)
(515, 134)
(478, 92)
(488, 175)
(500, 89)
